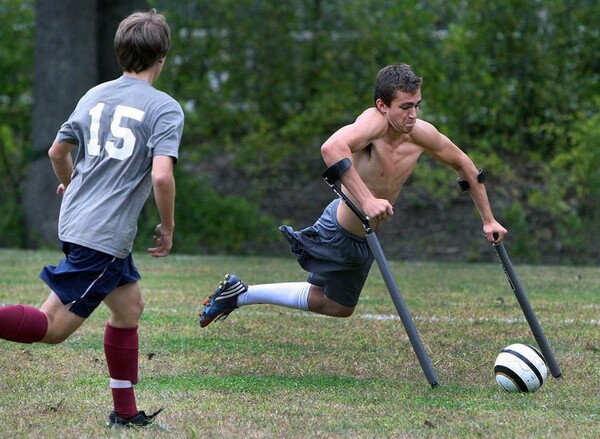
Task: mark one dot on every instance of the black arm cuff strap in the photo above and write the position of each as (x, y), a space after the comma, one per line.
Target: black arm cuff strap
(464, 185)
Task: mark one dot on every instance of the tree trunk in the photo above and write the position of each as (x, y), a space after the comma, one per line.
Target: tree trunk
(73, 52)
(110, 14)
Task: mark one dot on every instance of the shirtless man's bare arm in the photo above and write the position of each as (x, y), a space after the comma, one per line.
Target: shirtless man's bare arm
(442, 149)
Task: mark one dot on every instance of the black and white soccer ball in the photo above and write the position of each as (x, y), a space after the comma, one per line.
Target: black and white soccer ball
(520, 368)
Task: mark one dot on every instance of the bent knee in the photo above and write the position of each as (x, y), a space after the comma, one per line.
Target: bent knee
(340, 311)
(55, 337)
(56, 340)
(59, 331)
(318, 302)
(60, 326)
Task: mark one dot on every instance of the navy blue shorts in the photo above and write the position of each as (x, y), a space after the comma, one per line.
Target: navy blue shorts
(85, 277)
(336, 259)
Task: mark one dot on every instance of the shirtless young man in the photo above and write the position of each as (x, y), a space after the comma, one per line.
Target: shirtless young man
(383, 143)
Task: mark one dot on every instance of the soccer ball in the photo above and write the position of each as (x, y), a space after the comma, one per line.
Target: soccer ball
(520, 368)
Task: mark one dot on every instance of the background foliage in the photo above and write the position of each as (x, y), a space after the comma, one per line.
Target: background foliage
(514, 83)
(16, 89)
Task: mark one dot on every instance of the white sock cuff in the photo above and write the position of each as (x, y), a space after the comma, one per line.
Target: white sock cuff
(303, 297)
(120, 384)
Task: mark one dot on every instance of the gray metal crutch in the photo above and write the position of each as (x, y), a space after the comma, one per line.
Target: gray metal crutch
(513, 280)
(331, 176)
(532, 320)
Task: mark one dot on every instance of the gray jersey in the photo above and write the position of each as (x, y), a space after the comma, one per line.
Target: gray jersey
(119, 126)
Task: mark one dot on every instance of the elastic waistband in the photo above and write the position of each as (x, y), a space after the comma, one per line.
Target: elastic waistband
(331, 212)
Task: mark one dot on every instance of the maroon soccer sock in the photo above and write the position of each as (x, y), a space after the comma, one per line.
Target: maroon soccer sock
(121, 346)
(124, 402)
(22, 323)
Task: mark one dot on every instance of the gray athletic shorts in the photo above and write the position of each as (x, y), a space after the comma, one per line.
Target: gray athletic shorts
(336, 259)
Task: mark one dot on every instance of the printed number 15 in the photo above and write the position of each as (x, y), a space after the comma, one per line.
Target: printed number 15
(122, 111)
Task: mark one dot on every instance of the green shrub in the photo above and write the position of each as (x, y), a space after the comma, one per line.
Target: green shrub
(209, 223)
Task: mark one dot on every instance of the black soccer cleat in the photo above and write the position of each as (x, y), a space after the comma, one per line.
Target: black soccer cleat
(137, 421)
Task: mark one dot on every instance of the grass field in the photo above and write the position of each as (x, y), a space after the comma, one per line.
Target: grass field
(269, 372)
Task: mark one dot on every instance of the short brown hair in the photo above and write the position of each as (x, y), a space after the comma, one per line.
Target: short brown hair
(395, 77)
(141, 40)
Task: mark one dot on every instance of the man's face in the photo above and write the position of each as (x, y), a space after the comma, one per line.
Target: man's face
(403, 111)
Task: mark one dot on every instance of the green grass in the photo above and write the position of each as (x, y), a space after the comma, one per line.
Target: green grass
(269, 372)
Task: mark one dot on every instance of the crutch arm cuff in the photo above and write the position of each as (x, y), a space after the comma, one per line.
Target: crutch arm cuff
(464, 185)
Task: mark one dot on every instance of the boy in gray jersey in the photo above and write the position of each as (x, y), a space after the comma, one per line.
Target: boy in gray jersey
(126, 135)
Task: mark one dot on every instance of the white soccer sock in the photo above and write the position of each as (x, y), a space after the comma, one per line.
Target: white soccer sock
(289, 294)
